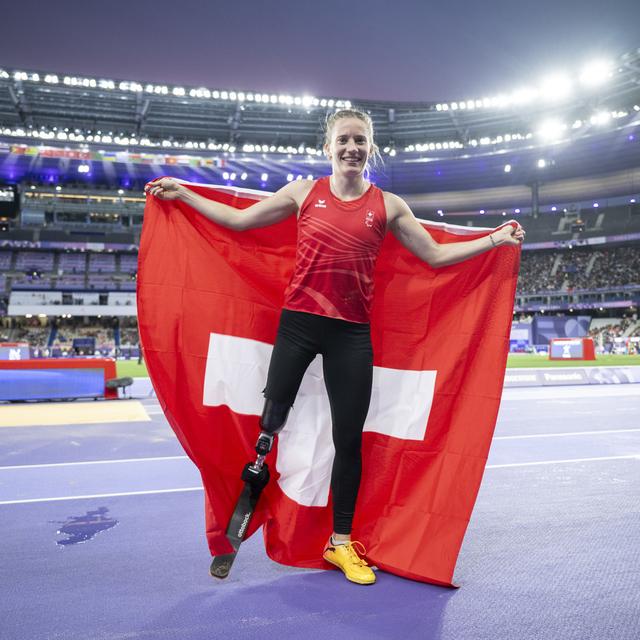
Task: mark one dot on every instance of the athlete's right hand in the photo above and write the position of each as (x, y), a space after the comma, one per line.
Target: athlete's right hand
(163, 188)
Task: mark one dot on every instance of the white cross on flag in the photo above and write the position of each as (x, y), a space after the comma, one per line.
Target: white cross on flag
(209, 300)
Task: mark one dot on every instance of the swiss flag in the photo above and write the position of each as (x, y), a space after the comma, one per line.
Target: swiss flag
(209, 300)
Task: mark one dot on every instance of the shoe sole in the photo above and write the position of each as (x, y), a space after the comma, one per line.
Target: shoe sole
(335, 564)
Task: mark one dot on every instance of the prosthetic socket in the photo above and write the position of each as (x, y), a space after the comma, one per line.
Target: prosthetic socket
(274, 417)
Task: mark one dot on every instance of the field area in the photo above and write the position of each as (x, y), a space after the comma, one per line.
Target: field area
(133, 369)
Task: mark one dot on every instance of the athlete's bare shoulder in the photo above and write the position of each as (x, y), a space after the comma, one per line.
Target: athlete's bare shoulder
(297, 190)
(394, 205)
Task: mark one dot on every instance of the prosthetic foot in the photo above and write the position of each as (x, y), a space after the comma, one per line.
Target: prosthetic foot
(255, 476)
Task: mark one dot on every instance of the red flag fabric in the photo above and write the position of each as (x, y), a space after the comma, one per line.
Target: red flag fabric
(209, 300)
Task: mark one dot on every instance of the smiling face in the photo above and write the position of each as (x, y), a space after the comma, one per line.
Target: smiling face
(349, 146)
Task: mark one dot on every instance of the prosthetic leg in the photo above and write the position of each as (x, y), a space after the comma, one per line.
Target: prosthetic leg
(256, 477)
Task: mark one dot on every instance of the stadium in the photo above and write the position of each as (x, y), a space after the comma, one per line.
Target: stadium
(561, 157)
(77, 152)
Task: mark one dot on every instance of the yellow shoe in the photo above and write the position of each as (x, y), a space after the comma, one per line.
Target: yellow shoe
(345, 557)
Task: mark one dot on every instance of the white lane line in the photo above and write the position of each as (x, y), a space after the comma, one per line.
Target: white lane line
(532, 464)
(185, 489)
(567, 433)
(102, 495)
(88, 462)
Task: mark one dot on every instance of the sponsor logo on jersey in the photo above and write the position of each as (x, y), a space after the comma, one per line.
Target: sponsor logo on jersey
(321, 204)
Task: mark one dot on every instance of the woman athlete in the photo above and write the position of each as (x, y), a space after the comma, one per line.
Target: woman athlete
(342, 220)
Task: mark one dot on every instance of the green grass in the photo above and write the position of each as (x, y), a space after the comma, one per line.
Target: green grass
(132, 369)
(530, 360)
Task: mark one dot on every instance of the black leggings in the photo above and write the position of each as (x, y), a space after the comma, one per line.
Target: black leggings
(347, 363)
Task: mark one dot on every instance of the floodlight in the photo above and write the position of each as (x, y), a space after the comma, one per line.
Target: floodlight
(602, 117)
(555, 87)
(551, 129)
(596, 73)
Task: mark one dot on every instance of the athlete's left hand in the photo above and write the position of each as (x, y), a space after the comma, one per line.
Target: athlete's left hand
(511, 234)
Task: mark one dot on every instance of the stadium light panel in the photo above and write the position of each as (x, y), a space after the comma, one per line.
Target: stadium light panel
(551, 129)
(555, 87)
(289, 177)
(507, 168)
(596, 73)
(600, 118)
(243, 175)
(264, 177)
(542, 163)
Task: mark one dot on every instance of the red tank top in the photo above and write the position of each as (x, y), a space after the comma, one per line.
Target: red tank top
(338, 243)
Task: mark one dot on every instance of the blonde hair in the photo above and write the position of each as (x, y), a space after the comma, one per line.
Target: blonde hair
(374, 156)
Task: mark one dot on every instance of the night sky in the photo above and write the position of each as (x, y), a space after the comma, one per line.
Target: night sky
(403, 50)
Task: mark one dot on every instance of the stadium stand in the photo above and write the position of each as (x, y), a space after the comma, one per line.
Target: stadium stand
(73, 244)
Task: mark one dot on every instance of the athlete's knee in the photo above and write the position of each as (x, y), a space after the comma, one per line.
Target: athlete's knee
(274, 416)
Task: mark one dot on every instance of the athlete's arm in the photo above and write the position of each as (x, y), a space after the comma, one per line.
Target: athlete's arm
(412, 235)
(275, 208)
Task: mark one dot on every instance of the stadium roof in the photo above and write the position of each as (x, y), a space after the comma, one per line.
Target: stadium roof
(46, 105)
(66, 128)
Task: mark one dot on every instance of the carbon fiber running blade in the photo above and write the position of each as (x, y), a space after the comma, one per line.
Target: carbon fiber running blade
(240, 519)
